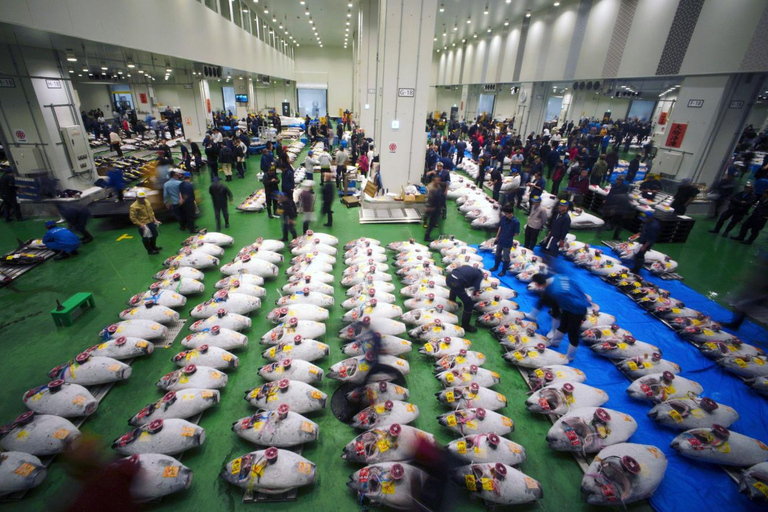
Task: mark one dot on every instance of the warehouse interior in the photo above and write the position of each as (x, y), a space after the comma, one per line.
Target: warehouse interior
(679, 87)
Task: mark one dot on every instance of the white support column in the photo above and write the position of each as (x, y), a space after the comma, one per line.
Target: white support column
(406, 32)
(531, 107)
(463, 102)
(241, 87)
(365, 52)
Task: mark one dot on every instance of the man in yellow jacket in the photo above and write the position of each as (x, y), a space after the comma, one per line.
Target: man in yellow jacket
(143, 216)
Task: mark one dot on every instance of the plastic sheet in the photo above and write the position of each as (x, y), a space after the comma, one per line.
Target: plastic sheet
(688, 485)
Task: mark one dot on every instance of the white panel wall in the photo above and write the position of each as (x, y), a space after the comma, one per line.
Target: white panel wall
(469, 59)
(457, 63)
(653, 19)
(723, 31)
(445, 99)
(511, 42)
(506, 104)
(597, 37)
(536, 34)
(494, 57)
(179, 28)
(476, 76)
(332, 66)
(93, 96)
(560, 42)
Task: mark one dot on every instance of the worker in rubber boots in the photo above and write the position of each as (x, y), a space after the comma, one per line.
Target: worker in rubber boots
(509, 228)
(568, 308)
(458, 281)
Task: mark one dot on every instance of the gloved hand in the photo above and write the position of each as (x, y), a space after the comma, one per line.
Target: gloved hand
(532, 314)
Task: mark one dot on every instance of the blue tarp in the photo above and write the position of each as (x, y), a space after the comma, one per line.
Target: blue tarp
(688, 485)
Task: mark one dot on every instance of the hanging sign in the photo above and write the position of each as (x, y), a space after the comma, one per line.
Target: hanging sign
(663, 118)
(142, 97)
(676, 135)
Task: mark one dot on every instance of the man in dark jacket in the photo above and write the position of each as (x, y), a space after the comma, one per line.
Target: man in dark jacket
(434, 206)
(8, 191)
(684, 196)
(648, 235)
(509, 228)
(634, 166)
(328, 192)
(289, 216)
(724, 189)
(737, 208)
(288, 182)
(226, 158)
(616, 207)
(212, 155)
(461, 147)
(458, 280)
(187, 209)
(755, 222)
(221, 197)
(559, 226)
(271, 182)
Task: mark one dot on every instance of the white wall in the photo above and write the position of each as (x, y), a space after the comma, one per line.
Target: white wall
(178, 28)
(93, 96)
(718, 45)
(331, 66)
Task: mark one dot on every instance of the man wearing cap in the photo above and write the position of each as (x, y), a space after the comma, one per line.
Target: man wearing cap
(558, 228)
(738, 207)
(328, 192)
(458, 281)
(142, 215)
(721, 191)
(647, 236)
(60, 240)
(307, 202)
(171, 196)
(309, 164)
(568, 307)
(509, 228)
(537, 218)
(187, 207)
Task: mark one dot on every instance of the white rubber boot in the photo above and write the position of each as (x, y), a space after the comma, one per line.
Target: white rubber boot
(553, 331)
(571, 352)
(556, 338)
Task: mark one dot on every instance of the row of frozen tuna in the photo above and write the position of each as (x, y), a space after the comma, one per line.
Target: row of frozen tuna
(45, 431)
(678, 401)
(747, 361)
(288, 394)
(484, 212)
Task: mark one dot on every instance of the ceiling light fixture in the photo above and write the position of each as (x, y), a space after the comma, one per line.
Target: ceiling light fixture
(486, 10)
(506, 23)
(469, 21)
(557, 4)
(442, 8)
(489, 30)
(85, 69)
(306, 13)
(266, 10)
(71, 57)
(71, 70)
(528, 14)
(474, 35)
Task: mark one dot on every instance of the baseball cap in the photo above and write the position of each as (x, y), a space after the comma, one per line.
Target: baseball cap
(536, 199)
(311, 153)
(141, 193)
(647, 214)
(50, 223)
(563, 202)
(187, 175)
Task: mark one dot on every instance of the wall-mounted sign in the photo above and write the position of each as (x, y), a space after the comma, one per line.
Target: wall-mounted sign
(736, 104)
(7, 82)
(406, 93)
(187, 86)
(53, 84)
(393, 147)
(142, 97)
(695, 103)
(20, 134)
(188, 120)
(663, 118)
(676, 135)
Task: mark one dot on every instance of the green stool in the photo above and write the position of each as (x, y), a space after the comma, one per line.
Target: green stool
(73, 307)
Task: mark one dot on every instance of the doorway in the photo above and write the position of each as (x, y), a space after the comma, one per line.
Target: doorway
(229, 99)
(312, 102)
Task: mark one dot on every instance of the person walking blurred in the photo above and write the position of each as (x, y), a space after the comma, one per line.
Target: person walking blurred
(221, 196)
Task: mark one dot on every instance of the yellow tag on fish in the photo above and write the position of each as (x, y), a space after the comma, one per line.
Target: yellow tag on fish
(382, 444)
(380, 409)
(461, 447)
(669, 390)
(622, 346)
(171, 472)
(141, 344)
(410, 407)
(472, 424)
(206, 394)
(533, 354)
(187, 432)
(144, 437)
(226, 357)
(758, 361)
(25, 469)
(428, 348)
(518, 356)
(506, 421)
(236, 466)
(363, 367)
(460, 359)
(647, 365)
(449, 377)
(469, 481)
(697, 413)
(632, 366)
(538, 372)
(760, 486)
(304, 467)
(724, 448)
(183, 379)
(315, 394)
(487, 484)
(307, 427)
(388, 487)
(78, 400)
(451, 420)
(739, 361)
(114, 367)
(480, 451)
(62, 433)
(449, 397)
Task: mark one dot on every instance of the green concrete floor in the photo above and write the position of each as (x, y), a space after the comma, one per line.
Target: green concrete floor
(113, 270)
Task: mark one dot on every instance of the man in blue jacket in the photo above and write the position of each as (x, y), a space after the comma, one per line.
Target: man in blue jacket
(509, 228)
(568, 307)
(61, 240)
(466, 276)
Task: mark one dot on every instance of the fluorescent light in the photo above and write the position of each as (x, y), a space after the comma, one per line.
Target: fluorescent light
(527, 14)
(85, 70)
(442, 8)
(71, 70)
(71, 57)
(506, 23)
(557, 4)
(104, 68)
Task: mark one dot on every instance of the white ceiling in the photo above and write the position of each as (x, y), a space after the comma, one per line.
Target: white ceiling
(330, 17)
